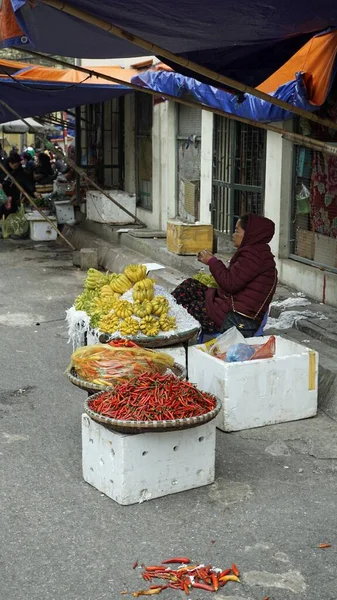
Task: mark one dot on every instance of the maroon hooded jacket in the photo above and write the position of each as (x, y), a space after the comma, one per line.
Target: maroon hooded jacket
(251, 277)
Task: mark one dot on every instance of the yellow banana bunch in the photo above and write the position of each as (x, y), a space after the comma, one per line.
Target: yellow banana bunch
(109, 323)
(135, 272)
(149, 326)
(97, 307)
(94, 279)
(142, 309)
(159, 305)
(129, 326)
(107, 292)
(206, 279)
(95, 319)
(108, 304)
(143, 290)
(167, 323)
(123, 309)
(120, 284)
(84, 300)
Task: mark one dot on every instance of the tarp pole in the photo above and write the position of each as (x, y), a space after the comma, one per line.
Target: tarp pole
(295, 138)
(184, 62)
(31, 201)
(73, 165)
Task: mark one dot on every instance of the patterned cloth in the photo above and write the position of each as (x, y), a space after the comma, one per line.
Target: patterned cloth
(191, 294)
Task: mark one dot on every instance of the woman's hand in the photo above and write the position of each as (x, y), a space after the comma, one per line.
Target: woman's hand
(204, 256)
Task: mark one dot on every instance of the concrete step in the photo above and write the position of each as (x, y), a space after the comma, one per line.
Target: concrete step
(327, 374)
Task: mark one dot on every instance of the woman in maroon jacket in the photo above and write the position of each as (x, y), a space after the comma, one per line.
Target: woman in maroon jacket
(246, 286)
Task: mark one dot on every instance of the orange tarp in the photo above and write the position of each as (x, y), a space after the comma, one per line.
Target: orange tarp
(9, 28)
(45, 74)
(316, 60)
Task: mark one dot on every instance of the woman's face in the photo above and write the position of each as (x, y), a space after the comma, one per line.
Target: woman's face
(238, 235)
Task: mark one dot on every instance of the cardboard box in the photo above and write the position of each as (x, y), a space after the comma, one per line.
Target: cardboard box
(325, 250)
(305, 243)
(188, 238)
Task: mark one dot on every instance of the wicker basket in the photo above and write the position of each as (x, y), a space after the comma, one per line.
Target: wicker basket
(151, 426)
(93, 388)
(158, 341)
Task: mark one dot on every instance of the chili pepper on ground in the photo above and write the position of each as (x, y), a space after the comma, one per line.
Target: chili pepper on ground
(235, 570)
(179, 559)
(229, 578)
(215, 582)
(203, 586)
(324, 545)
(135, 564)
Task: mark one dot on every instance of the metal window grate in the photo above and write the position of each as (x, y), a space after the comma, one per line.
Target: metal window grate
(144, 120)
(238, 172)
(102, 142)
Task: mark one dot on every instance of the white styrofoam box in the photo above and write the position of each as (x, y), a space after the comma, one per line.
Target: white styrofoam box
(259, 392)
(133, 468)
(102, 210)
(40, 229)
(64, 211)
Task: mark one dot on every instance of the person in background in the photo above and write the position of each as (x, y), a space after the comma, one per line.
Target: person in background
(59, 164)
(245, 287)
(43, 173)
(31, 151)
(29, 163)
(3, 153)
(15, 168)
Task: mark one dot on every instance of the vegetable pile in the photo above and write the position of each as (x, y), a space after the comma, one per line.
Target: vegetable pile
(153, 397)
(111, 364)
(186, 577)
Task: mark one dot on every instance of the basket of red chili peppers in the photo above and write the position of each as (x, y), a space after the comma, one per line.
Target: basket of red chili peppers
(153, 402)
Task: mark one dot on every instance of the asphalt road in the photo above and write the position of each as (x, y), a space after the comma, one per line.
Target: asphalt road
(273, 502)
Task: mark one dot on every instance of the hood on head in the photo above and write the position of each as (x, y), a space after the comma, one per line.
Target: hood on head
(259, 230)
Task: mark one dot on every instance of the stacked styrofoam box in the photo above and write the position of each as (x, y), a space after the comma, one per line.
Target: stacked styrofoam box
(65, 212)
(259, 392)
(102, 210)
(133, 468)
(41, 229)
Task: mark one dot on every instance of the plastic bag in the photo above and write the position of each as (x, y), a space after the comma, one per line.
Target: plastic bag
(239, 353)
(15, 224)
(303, 201)
(244, 352)
(266, 350)
(221, 344)
(3, 197)
(107, 365)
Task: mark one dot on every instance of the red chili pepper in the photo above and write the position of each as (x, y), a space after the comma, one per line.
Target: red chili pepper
(178, 559)
(324, 545)
(203, 586)
(235, 570)
(225, 572)
(135, 564)
(215, 582)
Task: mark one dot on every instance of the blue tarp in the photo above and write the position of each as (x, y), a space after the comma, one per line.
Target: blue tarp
(247, 106)
(36, 98)
(248, 40)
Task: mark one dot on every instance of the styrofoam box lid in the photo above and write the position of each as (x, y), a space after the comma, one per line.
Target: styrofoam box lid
(39, 217)
(59, 202)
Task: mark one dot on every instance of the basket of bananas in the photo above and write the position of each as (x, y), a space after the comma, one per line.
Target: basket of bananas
(129, 305)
